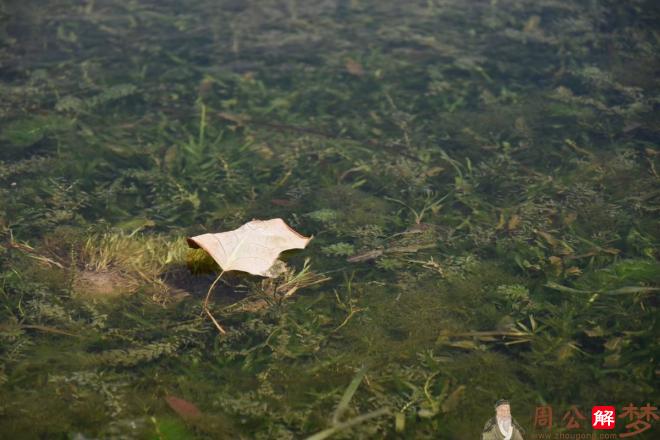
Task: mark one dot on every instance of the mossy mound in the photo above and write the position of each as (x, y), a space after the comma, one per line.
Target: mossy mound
(102, 284)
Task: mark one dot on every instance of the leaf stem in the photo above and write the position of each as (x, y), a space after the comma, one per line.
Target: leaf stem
(205, 306)
(215, 321)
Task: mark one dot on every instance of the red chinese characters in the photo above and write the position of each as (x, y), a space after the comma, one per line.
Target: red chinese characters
(639, 418)
(632, 420)
(603, 417)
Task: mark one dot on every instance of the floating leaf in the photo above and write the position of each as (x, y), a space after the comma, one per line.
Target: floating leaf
(252, 248)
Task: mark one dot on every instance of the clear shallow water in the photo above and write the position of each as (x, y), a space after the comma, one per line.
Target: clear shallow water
(480, 179)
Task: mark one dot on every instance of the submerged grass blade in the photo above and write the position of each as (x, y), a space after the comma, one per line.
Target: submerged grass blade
(620, 291)
(349, 424)
(348, 395)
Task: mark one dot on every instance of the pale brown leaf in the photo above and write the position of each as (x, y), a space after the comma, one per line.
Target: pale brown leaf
(186, 410)
(354, 68)
(252, 248)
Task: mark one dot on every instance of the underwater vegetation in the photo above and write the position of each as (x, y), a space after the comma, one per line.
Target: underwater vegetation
(480, 179)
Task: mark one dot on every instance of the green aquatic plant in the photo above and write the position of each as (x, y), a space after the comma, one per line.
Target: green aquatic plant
(127, 261)
(112, 93)
(23, 133)
(327, 216)
(199, 261)
(339, 249)
(127, 357)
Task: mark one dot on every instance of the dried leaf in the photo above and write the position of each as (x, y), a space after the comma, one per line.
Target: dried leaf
(595, 332)
(573, 271)
(433, 171)
(514, 222)
(365, 256)
(283, 202)
(354, 68)
(399, 422)
(556, 263)
(453, 399)
(552, 241)
(252, 248)
(500, 223)
(186, 410)
(570, 218)
(532, 24)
